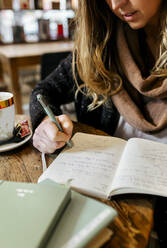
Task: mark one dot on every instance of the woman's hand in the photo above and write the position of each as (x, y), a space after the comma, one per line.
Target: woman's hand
(47, 138)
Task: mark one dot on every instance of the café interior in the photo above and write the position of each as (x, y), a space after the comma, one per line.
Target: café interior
(31, 32)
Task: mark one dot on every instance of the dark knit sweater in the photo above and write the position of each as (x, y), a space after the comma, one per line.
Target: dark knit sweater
(59, 88)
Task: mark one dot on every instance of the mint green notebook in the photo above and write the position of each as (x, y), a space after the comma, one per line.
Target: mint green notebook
(83, 219)
(29, 212)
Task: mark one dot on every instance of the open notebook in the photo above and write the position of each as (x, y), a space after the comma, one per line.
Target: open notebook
(104, 166)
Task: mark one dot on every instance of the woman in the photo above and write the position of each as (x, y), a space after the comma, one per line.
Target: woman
(117, 77)
(120, 61)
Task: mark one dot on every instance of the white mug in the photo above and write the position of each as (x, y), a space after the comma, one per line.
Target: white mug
(7, 115)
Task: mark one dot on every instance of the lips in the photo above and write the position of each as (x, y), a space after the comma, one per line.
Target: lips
(129, 14)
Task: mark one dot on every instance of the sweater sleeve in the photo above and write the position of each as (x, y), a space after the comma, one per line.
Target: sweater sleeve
(58, 88)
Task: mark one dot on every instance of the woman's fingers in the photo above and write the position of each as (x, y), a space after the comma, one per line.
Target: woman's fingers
(47, 147)
(54, 134)
(66, 124)
(47, 137)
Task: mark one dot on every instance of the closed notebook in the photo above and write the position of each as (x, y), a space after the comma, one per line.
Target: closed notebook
(83, 219)
(29, 212)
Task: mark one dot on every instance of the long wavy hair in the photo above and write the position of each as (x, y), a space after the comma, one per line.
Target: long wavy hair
(160, 68)
(93, 53)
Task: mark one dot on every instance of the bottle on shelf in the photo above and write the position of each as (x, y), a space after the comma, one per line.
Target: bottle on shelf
(24, 4)
(18, 34)
(38, 4)
(55, 5)
(71, 28)
(74, 4)
(18, 29)
(60, 31)
(43, 29)
(68, 4)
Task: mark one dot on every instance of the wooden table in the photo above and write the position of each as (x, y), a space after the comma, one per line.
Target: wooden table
(15, 56)
(133, 225)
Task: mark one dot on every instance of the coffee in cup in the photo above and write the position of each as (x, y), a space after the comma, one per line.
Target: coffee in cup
(7, 115)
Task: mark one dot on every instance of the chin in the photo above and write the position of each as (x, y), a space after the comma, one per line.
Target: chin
(136, 26)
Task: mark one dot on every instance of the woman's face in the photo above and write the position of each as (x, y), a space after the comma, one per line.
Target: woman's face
(137, 13)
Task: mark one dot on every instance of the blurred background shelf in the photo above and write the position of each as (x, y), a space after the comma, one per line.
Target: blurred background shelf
(20, 21)
(29, 29)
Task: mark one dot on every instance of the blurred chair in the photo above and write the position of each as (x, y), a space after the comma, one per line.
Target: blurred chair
(49, 61)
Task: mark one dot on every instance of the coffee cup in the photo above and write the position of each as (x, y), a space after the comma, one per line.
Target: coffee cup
(7, 115)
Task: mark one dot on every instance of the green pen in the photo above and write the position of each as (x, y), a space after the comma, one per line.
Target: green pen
(50, 114)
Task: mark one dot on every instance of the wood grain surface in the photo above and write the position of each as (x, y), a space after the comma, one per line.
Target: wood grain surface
(133, 225)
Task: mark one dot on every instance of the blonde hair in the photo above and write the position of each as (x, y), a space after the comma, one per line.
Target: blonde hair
(93, 54)
(160, 68)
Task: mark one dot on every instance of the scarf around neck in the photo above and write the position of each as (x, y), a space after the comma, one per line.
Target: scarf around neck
(149, 115)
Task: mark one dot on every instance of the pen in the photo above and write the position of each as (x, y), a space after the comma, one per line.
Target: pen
(50, 114)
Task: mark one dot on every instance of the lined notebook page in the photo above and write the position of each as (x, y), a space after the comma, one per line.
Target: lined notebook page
(90, 164)
(143, 166)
